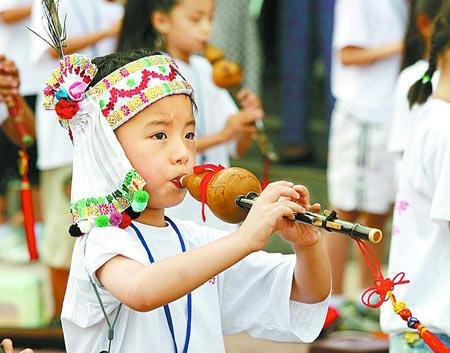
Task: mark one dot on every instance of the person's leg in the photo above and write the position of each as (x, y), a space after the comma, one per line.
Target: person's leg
(378, 250)
(337, 247)
(59, 277)
(295, 66)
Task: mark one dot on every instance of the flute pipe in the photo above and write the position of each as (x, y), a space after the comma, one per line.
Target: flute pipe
(337, 225)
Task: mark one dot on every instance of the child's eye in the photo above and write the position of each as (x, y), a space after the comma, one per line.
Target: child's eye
(159, 136)
(190, 136)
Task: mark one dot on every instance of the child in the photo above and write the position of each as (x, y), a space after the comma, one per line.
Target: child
(365, 66)
(421, 235)
(422, 14)
(182, 29)
(215, 282)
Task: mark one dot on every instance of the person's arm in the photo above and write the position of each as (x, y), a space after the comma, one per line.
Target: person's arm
(237, 124)
(352, 55)
(9, 86)
(76, 44)
(312, 275)
(145, 288)
(15, 14)
(8, 347)
(27, 117)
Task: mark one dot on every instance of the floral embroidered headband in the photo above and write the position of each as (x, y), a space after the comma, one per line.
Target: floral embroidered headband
(106, 190)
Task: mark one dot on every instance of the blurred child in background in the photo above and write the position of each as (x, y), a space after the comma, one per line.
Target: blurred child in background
(420, 244)
(367, 52)
(93, 26)
(182, 28)
(415, 62)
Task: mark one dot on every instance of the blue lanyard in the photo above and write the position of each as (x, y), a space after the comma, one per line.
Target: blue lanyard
(189, 296)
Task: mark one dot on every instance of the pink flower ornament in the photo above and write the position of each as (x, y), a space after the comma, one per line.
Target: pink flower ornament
(77, 90)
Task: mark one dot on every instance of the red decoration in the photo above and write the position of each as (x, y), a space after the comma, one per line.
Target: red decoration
(66, 109)
(212, 170)
(126, 221)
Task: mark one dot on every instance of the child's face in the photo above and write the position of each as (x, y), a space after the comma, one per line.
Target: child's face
(188, 27)
(159, 143)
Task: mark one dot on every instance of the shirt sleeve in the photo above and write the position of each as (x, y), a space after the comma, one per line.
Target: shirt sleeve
(350, 28)
(440, 204)
(255, 297)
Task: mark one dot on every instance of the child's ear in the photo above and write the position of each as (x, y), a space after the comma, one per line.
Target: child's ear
(160, 21)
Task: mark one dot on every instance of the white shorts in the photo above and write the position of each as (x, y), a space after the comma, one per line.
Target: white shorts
(360, 169)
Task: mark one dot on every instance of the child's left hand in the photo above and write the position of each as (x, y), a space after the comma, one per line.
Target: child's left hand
(9, 78)
(296, 233)
(249, 100)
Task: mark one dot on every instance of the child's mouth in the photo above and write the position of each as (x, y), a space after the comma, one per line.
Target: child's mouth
(177, 182)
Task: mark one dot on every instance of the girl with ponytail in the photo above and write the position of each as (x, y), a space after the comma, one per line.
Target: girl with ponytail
(417, 43)
(420, 243)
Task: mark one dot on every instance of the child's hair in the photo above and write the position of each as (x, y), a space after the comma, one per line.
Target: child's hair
(414, 44)
(440, 40)
(137, 29)
(111, 62)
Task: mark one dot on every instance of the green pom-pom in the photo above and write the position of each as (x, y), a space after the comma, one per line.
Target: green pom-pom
(27, 140)
(141, 196)
(102, 221)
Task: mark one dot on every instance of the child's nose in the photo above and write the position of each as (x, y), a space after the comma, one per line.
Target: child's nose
(179, 153)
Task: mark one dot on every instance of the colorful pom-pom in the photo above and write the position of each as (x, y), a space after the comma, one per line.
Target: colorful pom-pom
(141, 196)
(138, 206)
(115, 218)
(74, 231)
(102, 221)
(85, 226)
(126, 221)
(130, 212)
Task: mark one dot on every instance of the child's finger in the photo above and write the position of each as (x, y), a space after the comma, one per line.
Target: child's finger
(7, 345)
(274, 194)
(304, 195)
(315, 208)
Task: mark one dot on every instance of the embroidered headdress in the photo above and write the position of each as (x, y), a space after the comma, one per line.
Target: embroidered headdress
(106, 190)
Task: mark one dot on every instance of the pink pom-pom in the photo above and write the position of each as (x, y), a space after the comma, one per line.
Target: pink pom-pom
(76, 91)
(115, 218)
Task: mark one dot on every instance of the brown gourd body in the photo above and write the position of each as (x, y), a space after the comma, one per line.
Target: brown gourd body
(222, 191)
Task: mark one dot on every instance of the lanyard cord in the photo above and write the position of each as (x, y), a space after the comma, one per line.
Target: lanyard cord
(189, 295)
(111, 327)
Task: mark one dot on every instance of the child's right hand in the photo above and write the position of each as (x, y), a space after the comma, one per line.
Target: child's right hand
(242, 122)
(9, 78)
(278, 200)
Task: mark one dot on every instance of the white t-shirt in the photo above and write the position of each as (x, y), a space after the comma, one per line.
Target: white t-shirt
(366, 90)
(15, 39)
(420, 243)
(3, 113)
(251, 296)
(403, 117)
(214, 105)
(83, 17)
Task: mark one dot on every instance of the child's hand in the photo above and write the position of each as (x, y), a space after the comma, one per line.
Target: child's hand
(8, 347)
(241, 122)
(9, 78)
(249, 100)
(296, 233)
(273, 210)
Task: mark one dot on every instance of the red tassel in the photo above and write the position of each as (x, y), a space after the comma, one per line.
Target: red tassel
(436, 345)
(267, 165)
(27, 206)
